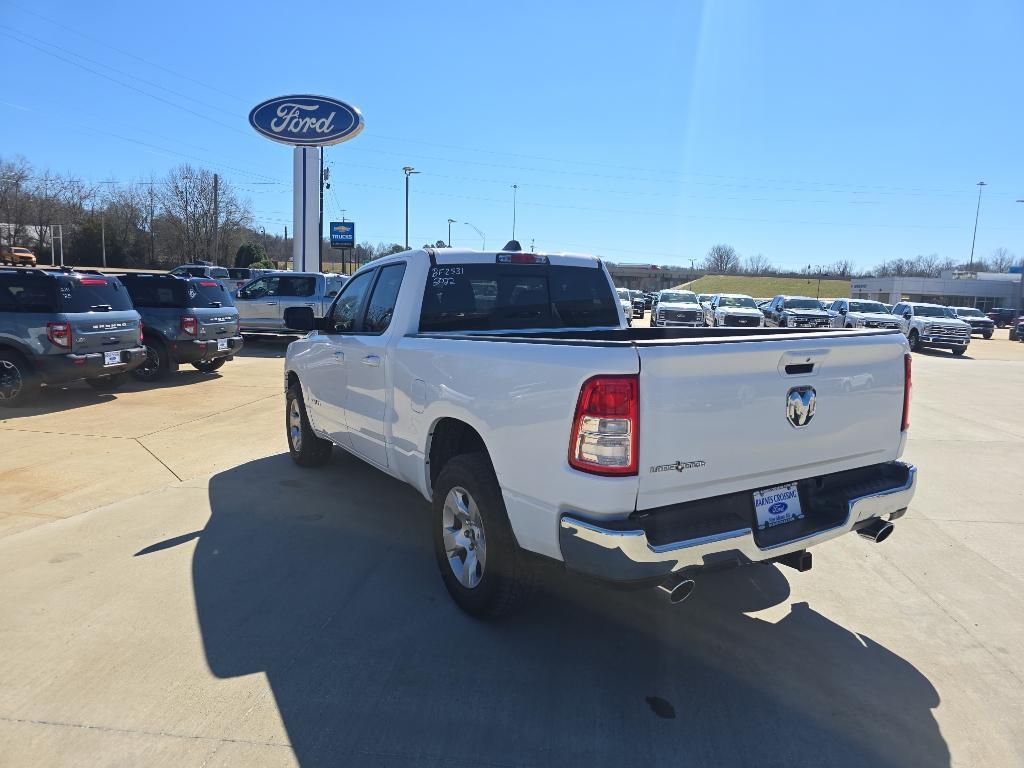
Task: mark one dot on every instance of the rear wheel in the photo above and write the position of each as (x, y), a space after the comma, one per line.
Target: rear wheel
(482, 566)
(988, 335)
(209, 366)
(108, 383)
(18, 382)
(305, 447)
(157, 364)
(915, 341)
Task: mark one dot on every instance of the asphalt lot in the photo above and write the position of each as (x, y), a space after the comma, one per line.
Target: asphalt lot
(174, 592)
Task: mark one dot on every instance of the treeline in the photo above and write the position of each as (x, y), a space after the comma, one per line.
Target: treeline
(189, 214)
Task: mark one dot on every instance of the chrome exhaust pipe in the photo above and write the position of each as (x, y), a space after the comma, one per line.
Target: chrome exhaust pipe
(877, 530)
(677, 588)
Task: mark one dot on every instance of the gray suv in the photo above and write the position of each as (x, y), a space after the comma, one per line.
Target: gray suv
(63, 326)
(186, 319)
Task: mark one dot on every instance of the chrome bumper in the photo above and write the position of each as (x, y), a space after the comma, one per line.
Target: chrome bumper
(626, 555)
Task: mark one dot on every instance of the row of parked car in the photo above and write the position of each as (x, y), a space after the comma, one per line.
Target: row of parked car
(59, 326)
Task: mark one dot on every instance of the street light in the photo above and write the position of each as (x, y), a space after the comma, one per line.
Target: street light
(450, 222)
(483, 237)
(408, 171)
(515, 189)
(1020, 285)
(981, 185)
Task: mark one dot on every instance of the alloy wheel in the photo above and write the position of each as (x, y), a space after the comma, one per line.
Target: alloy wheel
(465, 544)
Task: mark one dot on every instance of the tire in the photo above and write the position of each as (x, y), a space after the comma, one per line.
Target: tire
(108, 383)
(209, 366)
(915, 341)
(158, 362)
(18, 382)
(1013, 334)
(501, 578)
(959, 350)
(305, 447)
(988, 335)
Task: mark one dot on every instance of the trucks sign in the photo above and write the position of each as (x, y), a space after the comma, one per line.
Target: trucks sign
(343, 234)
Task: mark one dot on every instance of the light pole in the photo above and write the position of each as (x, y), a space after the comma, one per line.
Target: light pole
(515, 189)
(981, 185)
(408, 171)
(1020, 285)
(483, 237)
(450, 222)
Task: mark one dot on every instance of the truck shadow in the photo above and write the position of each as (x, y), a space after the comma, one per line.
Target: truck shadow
(266, 345)
(325, 581)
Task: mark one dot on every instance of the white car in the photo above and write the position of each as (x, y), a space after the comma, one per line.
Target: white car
(505, 388)
(627, 304)
(676, 308)
(860, 313)
(733, 310)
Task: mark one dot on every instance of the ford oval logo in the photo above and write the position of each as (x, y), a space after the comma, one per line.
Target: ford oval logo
(778, 508)
(306, 121)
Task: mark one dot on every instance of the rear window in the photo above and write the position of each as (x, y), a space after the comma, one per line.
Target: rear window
(482, 297)
(219, 272)
(92, 293)
(171, 293)
(207, 293)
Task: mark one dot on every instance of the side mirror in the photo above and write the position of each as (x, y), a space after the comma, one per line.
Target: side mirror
(331, 294)
(300, 319)
(907, 315)
(842, 311)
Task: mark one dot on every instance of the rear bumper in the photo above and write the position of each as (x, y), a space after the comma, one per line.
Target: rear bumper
(623, 552)
(198, 350)
(60, 369)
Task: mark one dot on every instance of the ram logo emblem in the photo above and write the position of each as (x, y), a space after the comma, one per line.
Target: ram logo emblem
(800, 405)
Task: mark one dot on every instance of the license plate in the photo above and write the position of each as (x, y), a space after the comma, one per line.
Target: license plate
(778, 505)
(111, 358)
(222, 344)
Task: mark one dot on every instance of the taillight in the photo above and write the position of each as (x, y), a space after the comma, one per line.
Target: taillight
(92, 281)
(59, 334)
(140, 332)
(521, 258)
(190, 325)
(605, 428)
(905, 425)
(209, 283)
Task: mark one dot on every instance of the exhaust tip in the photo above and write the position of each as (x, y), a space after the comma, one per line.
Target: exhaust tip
(677, 588)
(878, 531)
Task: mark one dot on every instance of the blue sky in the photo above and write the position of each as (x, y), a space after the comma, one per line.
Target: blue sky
(806, 131)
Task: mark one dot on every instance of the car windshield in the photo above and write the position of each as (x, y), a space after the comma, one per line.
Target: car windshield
(737, 302)
(677, 297)
(969, 312)
(868, 307)
(802, 304)
(623, 293)
(480, 297)
(926, 311)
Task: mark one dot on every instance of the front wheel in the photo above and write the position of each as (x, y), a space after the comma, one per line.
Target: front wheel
(988, 335)
(482, 566)
(209, 366)
(959, 350)
(915, 341)
(305, 447)
(108, 383)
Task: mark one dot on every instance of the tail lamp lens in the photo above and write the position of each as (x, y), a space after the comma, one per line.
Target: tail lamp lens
(59, 334)
(907, 364)
(606, 426)
(189, 325)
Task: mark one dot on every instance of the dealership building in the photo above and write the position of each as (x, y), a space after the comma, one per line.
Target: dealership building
(983, 290)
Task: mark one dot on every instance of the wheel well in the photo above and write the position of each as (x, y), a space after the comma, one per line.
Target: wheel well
(19, 352)
(449, 439)
(293, 378)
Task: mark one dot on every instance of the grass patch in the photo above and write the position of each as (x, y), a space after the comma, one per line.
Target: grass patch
(766, 287)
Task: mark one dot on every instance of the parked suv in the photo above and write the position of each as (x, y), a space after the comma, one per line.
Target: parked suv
(796, 312)
(979, 322)
(1003, 316)
(202, 270)
(17, 256)
(187, 320)
(860, 313)
(62, 326)
(932, 325)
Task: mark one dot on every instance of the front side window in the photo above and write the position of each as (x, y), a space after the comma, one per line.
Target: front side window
(257, 289)
(344, 312)
(382, 301)
(296, 285)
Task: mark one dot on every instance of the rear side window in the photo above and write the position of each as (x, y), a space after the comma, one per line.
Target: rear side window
(19, 294)
(220, 273)
(382, 301)
(296, 285)
(239, 274)
(92, 293)
(480, 297)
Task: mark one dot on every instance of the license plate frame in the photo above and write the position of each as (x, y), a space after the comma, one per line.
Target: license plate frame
(777, 505)
(111, 358)
(222, 345)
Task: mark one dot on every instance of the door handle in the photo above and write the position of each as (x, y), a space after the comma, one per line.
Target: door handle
(310, 303)
(271, 303)
(339, 354)
(372, 360)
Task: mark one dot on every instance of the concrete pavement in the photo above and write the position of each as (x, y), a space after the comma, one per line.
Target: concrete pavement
(192, 598)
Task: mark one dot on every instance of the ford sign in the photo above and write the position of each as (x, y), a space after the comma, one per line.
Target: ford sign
(306, 121)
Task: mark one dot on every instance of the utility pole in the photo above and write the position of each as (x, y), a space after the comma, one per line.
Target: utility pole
(450, 222)
(152, 239)
(408, 171)
(320, 228)
(103, 238)
(515, 189)
(1020, 285)
(216, 213)
(981, 185)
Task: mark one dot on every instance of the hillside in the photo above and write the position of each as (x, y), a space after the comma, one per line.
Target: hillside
(766, 287)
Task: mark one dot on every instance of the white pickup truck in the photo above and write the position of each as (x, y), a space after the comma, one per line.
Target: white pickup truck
(507, 389)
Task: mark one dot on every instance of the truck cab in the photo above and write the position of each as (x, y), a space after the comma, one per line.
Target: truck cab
(262, 302)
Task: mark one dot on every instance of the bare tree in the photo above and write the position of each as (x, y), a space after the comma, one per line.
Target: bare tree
(757, 264)
(195, 221)
(1001, 260)
(841, 268)
(721, 259)
(15, 199)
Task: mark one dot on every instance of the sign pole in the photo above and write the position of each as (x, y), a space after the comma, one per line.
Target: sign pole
(305, 215)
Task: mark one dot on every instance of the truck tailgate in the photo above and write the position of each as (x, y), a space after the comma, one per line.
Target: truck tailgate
(714, 416)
